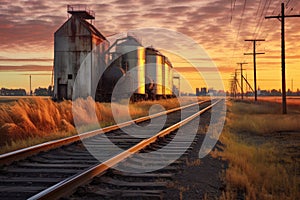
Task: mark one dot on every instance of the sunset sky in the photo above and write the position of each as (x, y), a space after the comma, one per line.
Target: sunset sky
(219, 26)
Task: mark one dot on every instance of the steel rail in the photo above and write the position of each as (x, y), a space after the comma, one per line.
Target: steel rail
(67, 186)
(10, 157)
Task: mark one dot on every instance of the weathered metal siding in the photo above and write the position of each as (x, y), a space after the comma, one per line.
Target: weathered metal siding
(154, 71)
(165, 77)
(160, 75)
(171, 81)
(134, 56)
(136, 65)
(74, 43)
(99, 61)
(168, 77)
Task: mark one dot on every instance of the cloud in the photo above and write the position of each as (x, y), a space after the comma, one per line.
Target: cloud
(27, 26)
(178, 9)
(26, 59)
(203, 69)
(279, 56)
(25, 68)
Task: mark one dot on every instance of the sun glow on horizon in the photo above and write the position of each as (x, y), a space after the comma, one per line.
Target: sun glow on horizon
(27, 37)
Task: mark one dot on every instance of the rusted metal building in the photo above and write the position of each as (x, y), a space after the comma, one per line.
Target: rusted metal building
(78, 45)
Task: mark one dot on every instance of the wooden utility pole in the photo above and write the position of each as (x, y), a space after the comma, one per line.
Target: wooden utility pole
(234, 85)
(236, 79)
(254, 62)
(245, 78)
(30, 93)
(242, 88)
(282, 19)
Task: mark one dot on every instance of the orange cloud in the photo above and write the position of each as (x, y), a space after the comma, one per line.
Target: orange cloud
(26, 68)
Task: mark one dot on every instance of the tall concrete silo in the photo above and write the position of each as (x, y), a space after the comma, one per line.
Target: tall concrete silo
(78, 44)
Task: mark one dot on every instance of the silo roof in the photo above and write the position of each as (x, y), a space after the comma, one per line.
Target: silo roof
(91, 28)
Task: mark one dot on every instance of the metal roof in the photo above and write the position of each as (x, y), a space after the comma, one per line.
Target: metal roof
(81, 10)
(91, 27)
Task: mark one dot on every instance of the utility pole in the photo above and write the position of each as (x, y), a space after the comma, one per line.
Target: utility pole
(282, 19)
(254, 62)
(236, 80)
(30, 93)
(233, 85)
(242, 88)
(246, 84)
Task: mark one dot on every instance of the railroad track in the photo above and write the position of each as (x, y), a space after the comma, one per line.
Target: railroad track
(55, 169)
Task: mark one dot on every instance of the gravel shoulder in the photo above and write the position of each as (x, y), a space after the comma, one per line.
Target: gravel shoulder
(198, 178)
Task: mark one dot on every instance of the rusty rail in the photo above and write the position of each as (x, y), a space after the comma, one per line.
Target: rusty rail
(10, 157)
(69, 185)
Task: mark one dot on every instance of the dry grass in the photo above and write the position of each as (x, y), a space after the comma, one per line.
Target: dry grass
(262, 118)
(30, 121)
(261, 165)
(266, 123)
(291, 100)
(33, 118)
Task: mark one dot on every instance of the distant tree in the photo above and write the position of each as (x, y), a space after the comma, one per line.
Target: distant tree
(50, 90)
(41, 91)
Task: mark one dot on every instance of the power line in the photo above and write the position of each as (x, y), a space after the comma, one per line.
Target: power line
(241, 20)
(287, 3)
(240, 24)
(282, 20)
(258, 7)
(254, 62)
(263, 13)
(241, 65)
(259, 21)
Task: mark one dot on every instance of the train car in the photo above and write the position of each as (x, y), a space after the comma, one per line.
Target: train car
(160, 70)
(135, 72)
(154, 63)
(108, 81)
(128, 68)
(169, 78)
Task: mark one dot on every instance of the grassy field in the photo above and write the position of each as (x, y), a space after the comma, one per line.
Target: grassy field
(13, 99)
(262, 148)
(28, 121)
(292, 101)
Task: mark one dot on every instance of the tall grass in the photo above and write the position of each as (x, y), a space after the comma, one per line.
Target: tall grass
(260, 166)
(34, 117)
(262, 118)
(30, 121)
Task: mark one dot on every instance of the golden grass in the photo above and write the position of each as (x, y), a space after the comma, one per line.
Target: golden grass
(262, 118)
(291, 100)
(266, 124)
(260, 166)
(30, 121)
